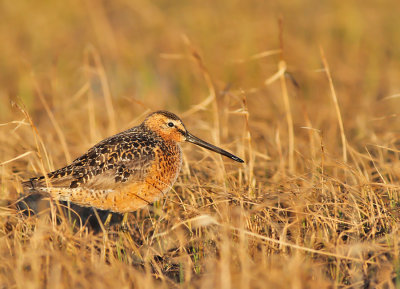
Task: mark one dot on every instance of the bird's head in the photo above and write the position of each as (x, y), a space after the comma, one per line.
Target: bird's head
(171, 128)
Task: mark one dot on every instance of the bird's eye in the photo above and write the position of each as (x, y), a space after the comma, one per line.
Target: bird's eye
(170, 124)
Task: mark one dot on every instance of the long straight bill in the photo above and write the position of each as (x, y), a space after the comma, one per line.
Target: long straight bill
(191, 138)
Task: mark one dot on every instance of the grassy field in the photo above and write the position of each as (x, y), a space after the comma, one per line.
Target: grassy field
(306, 92)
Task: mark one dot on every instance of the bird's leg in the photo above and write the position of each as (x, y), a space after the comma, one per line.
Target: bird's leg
(108, 220)
(124, 223)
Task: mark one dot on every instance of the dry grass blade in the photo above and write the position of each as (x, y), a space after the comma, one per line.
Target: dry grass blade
(16, 158)
(53, 120)
(207, 78)
(258, 56)
(336, 104)
(100, 71)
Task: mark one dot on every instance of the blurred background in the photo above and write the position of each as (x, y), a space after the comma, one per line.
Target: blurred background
(51, 46)
(54, 41)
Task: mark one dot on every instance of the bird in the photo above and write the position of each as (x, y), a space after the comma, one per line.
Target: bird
(124, 172)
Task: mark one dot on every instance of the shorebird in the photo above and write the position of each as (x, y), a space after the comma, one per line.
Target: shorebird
(124, 172)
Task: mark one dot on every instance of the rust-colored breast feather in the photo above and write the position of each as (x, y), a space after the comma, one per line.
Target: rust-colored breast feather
(122, 173)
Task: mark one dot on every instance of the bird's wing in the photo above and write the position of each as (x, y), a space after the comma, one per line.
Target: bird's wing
(113, 161)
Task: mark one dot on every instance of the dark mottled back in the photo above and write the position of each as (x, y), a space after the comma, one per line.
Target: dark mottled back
(120, 157)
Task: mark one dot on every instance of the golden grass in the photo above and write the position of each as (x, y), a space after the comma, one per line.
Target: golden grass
(316, 204)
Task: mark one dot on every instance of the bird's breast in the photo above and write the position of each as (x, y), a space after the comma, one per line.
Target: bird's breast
(166, 167)
(159, 180)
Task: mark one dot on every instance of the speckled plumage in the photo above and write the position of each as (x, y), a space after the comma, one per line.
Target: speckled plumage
(126, 171)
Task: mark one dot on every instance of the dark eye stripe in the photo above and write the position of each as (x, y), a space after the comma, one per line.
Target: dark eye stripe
(181, 131)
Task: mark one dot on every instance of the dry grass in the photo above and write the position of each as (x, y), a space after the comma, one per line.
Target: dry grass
(316, 204)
